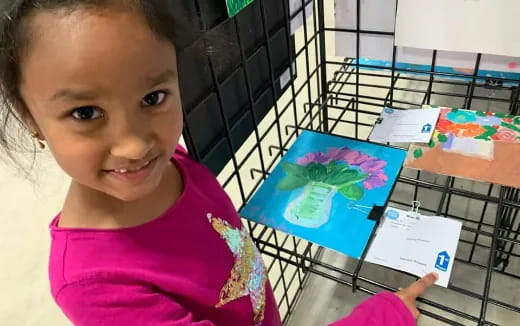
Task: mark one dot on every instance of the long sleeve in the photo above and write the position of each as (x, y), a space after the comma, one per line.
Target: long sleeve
(94, 303)
(384, 308)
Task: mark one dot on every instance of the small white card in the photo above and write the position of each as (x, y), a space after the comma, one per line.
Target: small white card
(405, 126)
(416, 245)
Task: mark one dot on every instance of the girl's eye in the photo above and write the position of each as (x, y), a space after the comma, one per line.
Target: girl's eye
(86, 113)
(154, 99)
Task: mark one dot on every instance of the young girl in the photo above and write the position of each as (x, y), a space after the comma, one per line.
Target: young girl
(146, 235)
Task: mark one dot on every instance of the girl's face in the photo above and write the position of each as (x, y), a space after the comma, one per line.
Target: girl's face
(103, 92)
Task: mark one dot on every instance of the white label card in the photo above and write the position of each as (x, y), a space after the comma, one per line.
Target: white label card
(405, 126)
(416, 245)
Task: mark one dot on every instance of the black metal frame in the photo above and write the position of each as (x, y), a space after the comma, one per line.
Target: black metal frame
(321, 84)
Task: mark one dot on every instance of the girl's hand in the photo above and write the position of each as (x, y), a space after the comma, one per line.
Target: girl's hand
(410, 294)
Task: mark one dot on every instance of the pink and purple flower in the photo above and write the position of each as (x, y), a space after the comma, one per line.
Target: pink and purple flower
(372, 166)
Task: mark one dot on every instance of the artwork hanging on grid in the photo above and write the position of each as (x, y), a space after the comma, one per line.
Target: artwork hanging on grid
(377, 49)
(482, 146)
(324, 190)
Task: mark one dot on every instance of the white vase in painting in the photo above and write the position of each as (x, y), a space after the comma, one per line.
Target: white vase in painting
(313, 207)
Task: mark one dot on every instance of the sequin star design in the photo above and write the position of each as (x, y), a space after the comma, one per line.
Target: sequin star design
(248, 275)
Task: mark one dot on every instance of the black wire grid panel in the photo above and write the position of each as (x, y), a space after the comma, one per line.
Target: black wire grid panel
(318, 91)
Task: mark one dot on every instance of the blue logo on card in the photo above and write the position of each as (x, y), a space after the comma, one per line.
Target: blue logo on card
(393, 215)
(426, 128)
(443, 261)
(389, 110)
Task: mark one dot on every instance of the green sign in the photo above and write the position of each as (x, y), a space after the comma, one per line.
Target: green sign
(235, 6)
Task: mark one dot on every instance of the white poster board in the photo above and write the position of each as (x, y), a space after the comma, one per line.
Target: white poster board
(476, 26)
(379, 15)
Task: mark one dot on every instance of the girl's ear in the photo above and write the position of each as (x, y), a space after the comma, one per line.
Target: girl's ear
(27, 119)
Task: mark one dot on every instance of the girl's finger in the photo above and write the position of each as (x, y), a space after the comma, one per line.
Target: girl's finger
(418, 288)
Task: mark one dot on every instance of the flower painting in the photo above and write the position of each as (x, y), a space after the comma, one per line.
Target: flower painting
(324, 188)
(483, 146)
(343, 171)
(235, 6)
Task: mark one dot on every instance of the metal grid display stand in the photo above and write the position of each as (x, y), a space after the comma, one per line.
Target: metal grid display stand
(343, 97)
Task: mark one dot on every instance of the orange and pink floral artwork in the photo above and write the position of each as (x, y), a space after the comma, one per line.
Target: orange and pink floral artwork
(477, 145)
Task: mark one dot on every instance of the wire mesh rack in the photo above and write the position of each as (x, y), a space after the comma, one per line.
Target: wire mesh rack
(312, 89)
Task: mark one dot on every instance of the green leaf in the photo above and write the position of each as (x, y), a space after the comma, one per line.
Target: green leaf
(500, 115)
(316, 172)
(455, 110)
(431, 144)
(352, 192)
(516, 121)
(333, 167)
(342, 177)
(291, 182)
(442, 138)
(490, 131)
(295, 169)
(418, 153)
(510, 126)
(336, 170)
(359, 178)
(481, 114)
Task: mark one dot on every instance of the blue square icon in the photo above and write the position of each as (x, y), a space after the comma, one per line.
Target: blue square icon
(392, 214)
(443, 261)
(426, 128)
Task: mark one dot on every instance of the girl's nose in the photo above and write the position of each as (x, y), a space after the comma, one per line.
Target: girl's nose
(134, 143)
(132, 148)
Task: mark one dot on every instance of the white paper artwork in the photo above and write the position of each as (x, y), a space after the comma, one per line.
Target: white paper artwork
(378, 15)
(475, 26)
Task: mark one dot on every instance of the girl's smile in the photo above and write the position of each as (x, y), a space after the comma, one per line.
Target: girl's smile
(136, 174)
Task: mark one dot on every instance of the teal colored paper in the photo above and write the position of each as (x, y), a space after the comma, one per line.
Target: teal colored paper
(370, 64)
(324, 189)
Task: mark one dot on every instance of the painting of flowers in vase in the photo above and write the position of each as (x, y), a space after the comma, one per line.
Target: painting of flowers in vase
(324, 189)
(477, 145)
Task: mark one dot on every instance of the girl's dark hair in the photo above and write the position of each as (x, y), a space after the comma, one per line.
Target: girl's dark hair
(164, 17)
